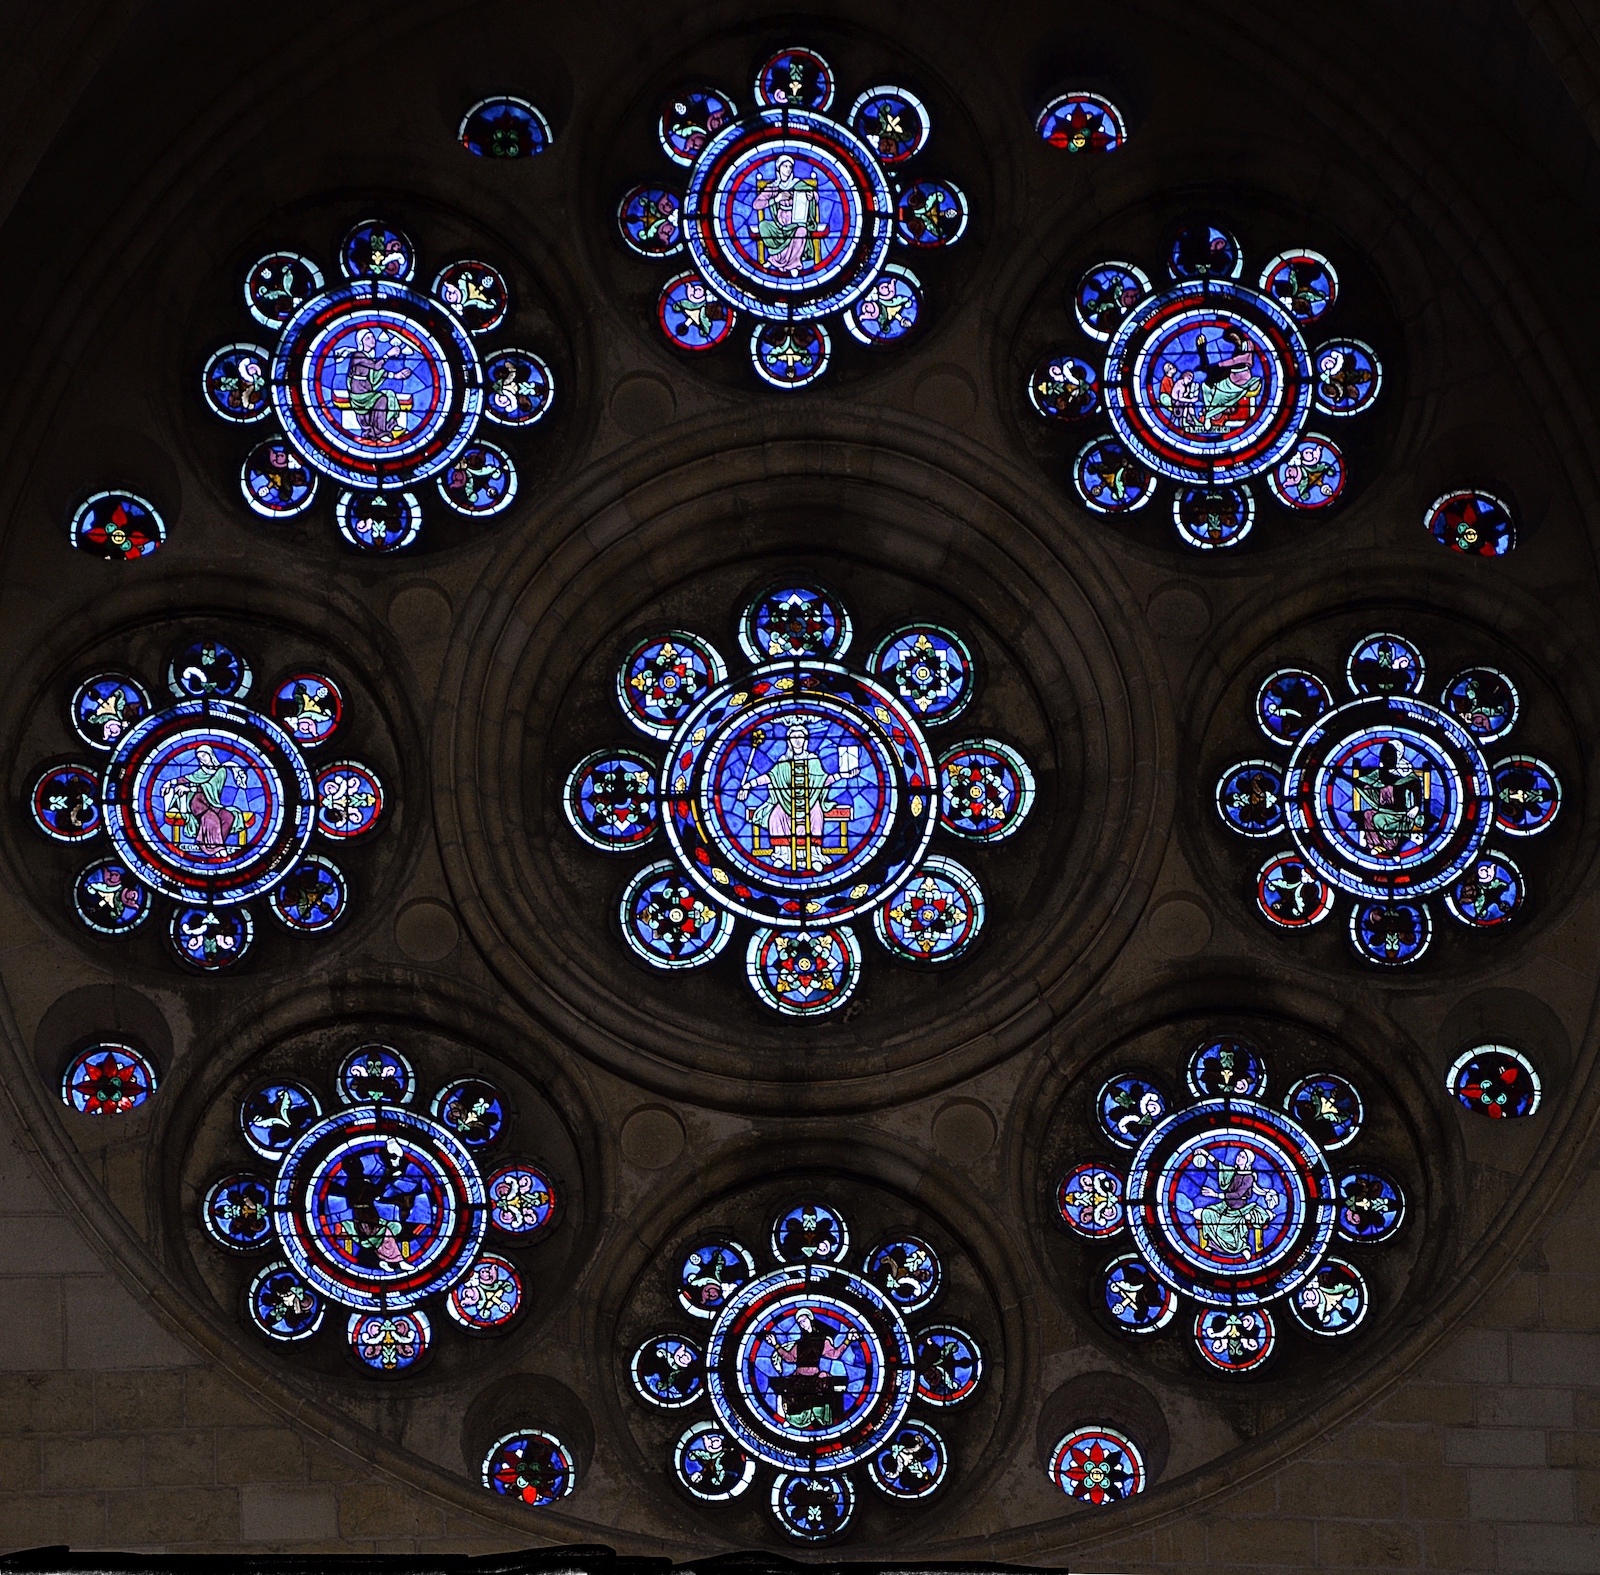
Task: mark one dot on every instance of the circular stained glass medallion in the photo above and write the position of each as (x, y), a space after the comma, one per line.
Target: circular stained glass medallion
(949, 1365)
(1064, 388)
(373, 250)
(1106, 294)
(1289, 701)
(790, 355)
(710, 1465)
(1371, 1206)
(610, 800)
(308, 707)
(669, 1371)
(907, 1270)
(475, 292)
(1391, 933)
(986, 790)
(108, 898)
(691, 315)
(1488, 894)
(1250, 798)
(117, 525)
(911, 1465)
(795, 79)
(389, 1342)
(312, 897)
(1348, 377)
(1208, 382)
(794, 621)
(272, 1117)
(803, 973)
(522, 1201)
(376, 1075)
(689, 121)
(650, 220)
(1333, 1301)
(276, 481)
(935, 917)
(238, 1213)
(788, 215)
(810, 1233)
(1109, 479)
(1303, 283)
(480, 482)
(1328, 1107)
(666, 921)
(1484, 701)
(1230, 1202)
(1312, 477)
(208, 669)
(931, 213)
(711, 1273)
(282, 1306)
(349, 799)
(1082, 123)
(378, 521)
(1227, 1069)
(1527, 796)
(504, 128)
(1472, 522)
(378, 1207)
(1235, 1340)
(929, 668)
(800, 795)
(1089, 1200)
(1127, 1107)
(1495, 1081)
(208, 799)
(532, 1466)
(518, 388)
(108, 1080)
(1290, 895)
(1211, 517)
(210, 939)
(66, 803)
(105, 706)
(235, 382)
(1204, 251)
(474, 1110)
(892, 122)
(663, 676)
(813, 1507)
(277, 284)
(1134, 1299)
(1385, 664)
(1097, 1465)
(889, 311)
(764, 1368)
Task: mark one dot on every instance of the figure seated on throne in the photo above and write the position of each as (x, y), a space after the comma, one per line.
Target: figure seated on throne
(377, 414)
(1234, 1222)
(793, 816)
(790, 221)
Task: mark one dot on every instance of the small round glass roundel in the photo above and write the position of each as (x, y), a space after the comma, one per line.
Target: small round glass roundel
(790, 355)
(892, 122)
(710, 1465)
(1106, 294)
(349, 800)
(690, 119)
(66, 804)
(207, 669)
(1134, 1299)
(1385, 664)
(375, 250)
(1495, 1081)
(1064, 388)
(930, 668)
(1484, 701)
(810, 1233)
(1082, 123)
(475, 292)
(282, 1306)
(312, 897)
(531, 1466)
(610, 800)
(1288, 702)
(1303, 283)
(1089, 1200)
(1348, 376)
(481, 481)
(803, 973)
(211, 939)
(911, 1465)
(389, 1342)
(504, 128)
(109, 898)
(663, 677)
(1328, 1107)
(650, 219)
(711, 1274)
(487, 1300)
(1235, 1340)
(813, 1508)
(1127, 1107)
(1312, 476)
(986, 790)
(1204, 251)
(1371, 1206)
(308, 707)
(376, 1075)
(108, 1080)
(668, 923)
(931, 213)
(1250, 798)
(1477, 523)
(378, 521)
(668, 1371)
(794, 621)
(949, 1365)
(522, 1201)
(235, 382)
(1109, 479)
(691, 315)
(797, 77)
(238, 1213)
(473, 1109)
(277, 284)
(276, 481)
(934, 918)
(1390, 933)
(1227, 1069)
(1333, 1301)
(106, 706)
(273, 1117)
(907, 1270)
(1527, 796)
(888, 312)
(118, 526)
(1488, 894)
(1212, 517)
(518, 388)
(1097, 1465)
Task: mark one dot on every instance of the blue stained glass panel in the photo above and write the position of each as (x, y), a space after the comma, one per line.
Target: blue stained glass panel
(691, 316)
(277, 284)
(1349, 377)
(1064, 388)
(889, 311)
(813, 1508)
(1391, 933)
(378, 521)
(1371, 1206)
(1089, 1200)
(519, 388)
(810, 1233)
(1290, 894)
(1484, 701)
(487, 1300)
(790, 355)
(235, 382)
(949, 1365)
(273, 1117)
(931, 213)
(504, 128)
(118, 526)
(376, 1075)
(349, 799)
(794, 621)
(522, 1201)
(473, 1109)
(1477, 523)
(1227, 1069)
(108, 1080)
(1385, 664)
(1333, 1301)
(375, 250)
(275, 480)
(531, 1466)
(711, 1274)
(911, 1465)
(312, 897)
(390, 1342)
(610, 800)
(1495, 1081)
(1488, 894)
(308, 707)
(892, 122)
(480, 482)
(711, 1465)
(668, 1370)
(476, 292)
(662, 678)
(1328, 1107)
(650, 219)
(666, 921)
(1212, 517)
(936, 917)
(211, 938)
(1235, 1340)
(66, 804)
(1250, 798)
(282, 1306)
(1204, 251)
(803, 973)
(1303, 283)
(1311, 477)
(1136, 1301)
(1289, 701)
(1527, 796)
(1127, 1107)
(1106, 294)
(1097, 1465)
(986, 790)
(930, 668)
(237, 1212)
(907, 1270)
(105, 706)
(797, 77)
(1082, 123)
(690, 119)
(207, 669)
(1109, 479)
(108, 897)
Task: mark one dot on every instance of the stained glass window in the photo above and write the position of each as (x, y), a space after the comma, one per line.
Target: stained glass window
(374, 384)
(1230, 1205)
(811, 1369)
(117, 525)
(504, 128)
(1472, 522)
(1209, 384)
(1389, 799)
(1097, 1465)
(108, 1080)
(237, 1213)
(1082, 123)
(389, 1342)
(802, 795)
(531, 1466)
(787, 215)
(1495, 1081)
(207, 802)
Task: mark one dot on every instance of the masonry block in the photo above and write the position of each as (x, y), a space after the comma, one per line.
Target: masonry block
(1522, 1494)
(281, 1512)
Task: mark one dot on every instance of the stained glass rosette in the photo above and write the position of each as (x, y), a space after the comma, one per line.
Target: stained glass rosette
(1389, 799)
(788, 216)
(812, 1370)
(801, 795)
